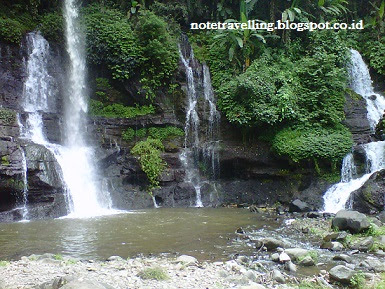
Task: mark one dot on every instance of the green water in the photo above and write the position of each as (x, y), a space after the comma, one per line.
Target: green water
(205, 233)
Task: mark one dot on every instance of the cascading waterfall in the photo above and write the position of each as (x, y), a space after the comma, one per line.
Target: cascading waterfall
(78, 168)
(25, 186)
(83, 197)
(336, 197)
(199, 149)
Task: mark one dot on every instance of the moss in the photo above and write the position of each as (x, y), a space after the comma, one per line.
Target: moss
(5, 160)
(7, 116)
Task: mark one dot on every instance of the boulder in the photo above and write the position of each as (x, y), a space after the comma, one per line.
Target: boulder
(299, 206)
(343, 257)
(362, 244)
(278, 277)
(341, 274)
(283, 258)
(271, 243)
(275, 257)
(369, 199)
(373, 264)
(296, 253)
(332, 246)
(290, 266)
(353, 221)
(335, 236)
(187, 260)
(307, 261)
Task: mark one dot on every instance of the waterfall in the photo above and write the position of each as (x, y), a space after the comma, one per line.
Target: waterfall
(77, 161)
(200, 151)
(84, 199)
(25, 186)
(336, 197)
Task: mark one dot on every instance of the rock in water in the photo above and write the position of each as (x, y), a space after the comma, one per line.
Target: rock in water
(353, 221)
(283, 258)
(307, 261)
(296, 253)
(341, 274)
(187, 260)
(299, 206)
(332, 246)
(278, 277)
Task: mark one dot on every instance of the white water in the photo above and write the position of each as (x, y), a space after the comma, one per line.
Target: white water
(83, 197)
(337, 196)
(197, 143)
(77, 158)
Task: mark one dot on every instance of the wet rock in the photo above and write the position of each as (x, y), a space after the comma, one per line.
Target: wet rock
(299, 206)
(291, 267)
(275, 257)
(271, 243)
(353, 221)
(341, 274)
(296, 253)
(332, 246)
(115, 258)
(343, 257)
(283, 258)
(307, 261)
(187, 260)
(336, 236)
(314, 215)
(240, 231)
(381, 216)
(372, 264)
(278, 277)
(280, 210)
(362, 244)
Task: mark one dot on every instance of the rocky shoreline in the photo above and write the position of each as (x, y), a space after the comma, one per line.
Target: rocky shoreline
(305, 252)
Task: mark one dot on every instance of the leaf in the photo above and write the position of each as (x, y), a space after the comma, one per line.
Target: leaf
(240, 41)
(381, 10)
(284, 15)
(321, 3)
(291, 15)
(231, 53)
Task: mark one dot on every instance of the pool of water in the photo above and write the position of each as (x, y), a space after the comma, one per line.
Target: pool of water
(206, 233)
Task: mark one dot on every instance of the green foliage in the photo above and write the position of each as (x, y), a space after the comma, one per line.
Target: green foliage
(161, 133)
(149, 154)
(117, 110)
(159, 59)
(312, 254)
(155, 273)
(7, 116)
(313, 142)
(11, 30)
(174, 10)
(52, 26)
(375, 52)
(5, 160)
(111, 41)
(58, 257)
(4, 263)
(358, 280)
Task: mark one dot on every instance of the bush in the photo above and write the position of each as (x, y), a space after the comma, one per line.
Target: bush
(11, 30)
(149, 154)
(117, 110)
(159, 52)
(155, 273)
(52, 26)
(111, 42)
(313, 143)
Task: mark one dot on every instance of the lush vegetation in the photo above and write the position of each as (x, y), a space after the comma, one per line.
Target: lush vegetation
(161, 133)
(149, 155)
(288, 87)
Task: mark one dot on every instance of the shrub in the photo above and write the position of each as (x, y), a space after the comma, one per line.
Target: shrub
(52, 26)
(11, 30)
(149, 154)
(155, 273)
(117, 110)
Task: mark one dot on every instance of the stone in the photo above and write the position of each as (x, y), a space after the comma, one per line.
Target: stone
(381, 216)
(372, 264)
(251, 276)
(186, 260)
(299, 206)
(253, 286)
(115, 258)
(353, 221)
(296, 253)
(332, 246)
(290, 266)
(307, 261)
(341, 274)
(336, 236)
(362, 244)
(278, 277)
(283, 258)
(85, 284)
(343, 257)
(272, 243)
(314, 215)
(275, 257)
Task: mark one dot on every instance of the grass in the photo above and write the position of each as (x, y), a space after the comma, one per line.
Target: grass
(58, 257)
(358, 280)
(155, 273)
